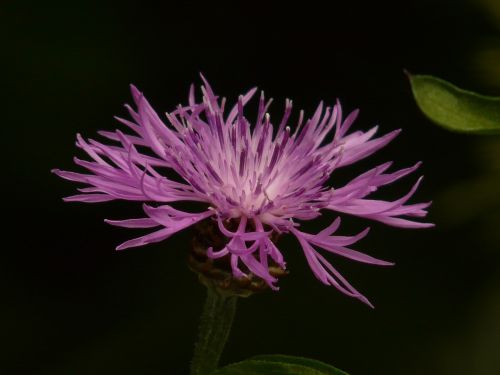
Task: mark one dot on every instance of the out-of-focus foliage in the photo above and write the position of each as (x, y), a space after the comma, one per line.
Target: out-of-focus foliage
(474, 348)
(472, 206)
(454, 108)
(483, 60)
(491, 9)
(485, 63)
(478, 198)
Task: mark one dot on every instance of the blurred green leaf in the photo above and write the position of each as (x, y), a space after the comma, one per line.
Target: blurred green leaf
(279, 365)
(454, 108)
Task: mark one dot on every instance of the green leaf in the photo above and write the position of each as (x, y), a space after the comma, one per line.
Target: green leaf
(313, 363)
(279, 365)
(454, 108)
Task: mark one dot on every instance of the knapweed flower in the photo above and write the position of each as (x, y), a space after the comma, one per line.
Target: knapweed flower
(265, 177)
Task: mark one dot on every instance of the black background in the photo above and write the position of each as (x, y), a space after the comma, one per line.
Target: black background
(72, 305)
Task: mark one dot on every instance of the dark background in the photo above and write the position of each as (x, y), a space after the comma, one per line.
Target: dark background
(71, 305)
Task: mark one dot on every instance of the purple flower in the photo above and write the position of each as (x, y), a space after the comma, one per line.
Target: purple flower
(266, 177)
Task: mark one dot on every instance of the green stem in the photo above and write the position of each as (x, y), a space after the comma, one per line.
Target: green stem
(216, 320)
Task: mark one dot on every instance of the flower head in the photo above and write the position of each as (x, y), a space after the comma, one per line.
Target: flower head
(265, 177)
